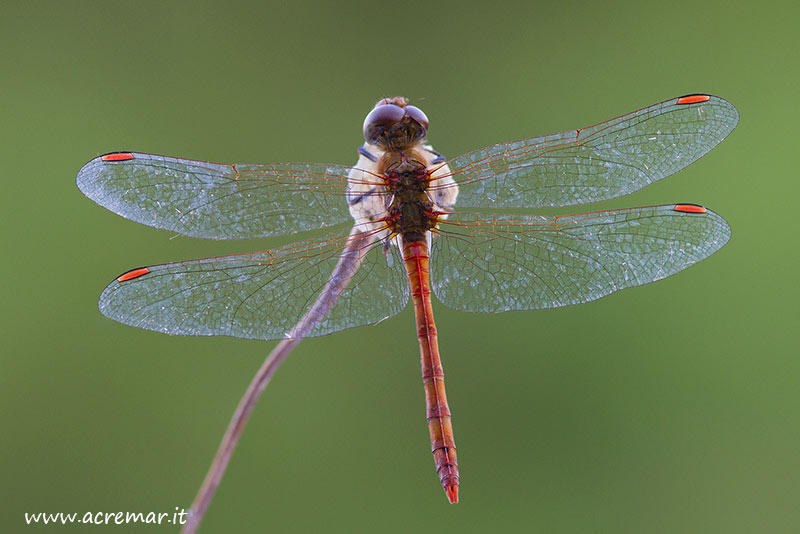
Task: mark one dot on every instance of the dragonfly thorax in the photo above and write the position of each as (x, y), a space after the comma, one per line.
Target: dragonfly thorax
(400, 191)
(411, 216)
(404, 171)
(407, 180)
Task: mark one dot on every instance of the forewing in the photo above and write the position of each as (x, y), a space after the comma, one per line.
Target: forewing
(597, 163)
(494, 262)
(261, 295)
(217, 201)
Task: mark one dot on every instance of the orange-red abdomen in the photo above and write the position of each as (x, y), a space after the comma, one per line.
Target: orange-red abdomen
(415, 255)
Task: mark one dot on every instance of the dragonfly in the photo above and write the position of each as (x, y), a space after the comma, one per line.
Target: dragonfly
(407, 223)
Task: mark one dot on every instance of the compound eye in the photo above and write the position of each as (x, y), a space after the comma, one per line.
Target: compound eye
(379, 119)
(417, 114)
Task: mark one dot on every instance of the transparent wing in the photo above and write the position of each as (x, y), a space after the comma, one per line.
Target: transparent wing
(217, 201)
(597, 163)
(261, 295)
(495, 262)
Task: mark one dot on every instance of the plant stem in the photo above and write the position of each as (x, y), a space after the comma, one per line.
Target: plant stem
(348, 264)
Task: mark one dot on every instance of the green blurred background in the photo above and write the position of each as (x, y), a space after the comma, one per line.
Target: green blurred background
(666, 408)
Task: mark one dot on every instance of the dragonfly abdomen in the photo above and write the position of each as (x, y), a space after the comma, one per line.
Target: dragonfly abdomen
(416, 256)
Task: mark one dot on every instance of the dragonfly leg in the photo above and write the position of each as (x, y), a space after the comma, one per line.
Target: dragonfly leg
(439, 157)
(360, 198)
(367, 154)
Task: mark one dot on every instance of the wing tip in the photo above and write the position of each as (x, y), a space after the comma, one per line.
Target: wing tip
(700, 98)
(87, 173)
(725, 231)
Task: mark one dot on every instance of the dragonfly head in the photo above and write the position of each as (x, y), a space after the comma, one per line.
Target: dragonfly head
(393, 124)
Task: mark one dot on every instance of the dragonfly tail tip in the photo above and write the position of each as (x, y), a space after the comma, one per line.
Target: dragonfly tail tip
(452, 493)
